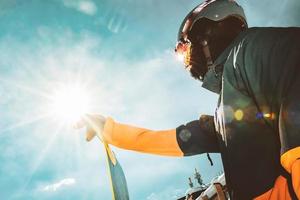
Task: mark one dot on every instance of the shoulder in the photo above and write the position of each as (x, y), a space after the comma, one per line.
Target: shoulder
(259, 40)
(268, 36)
(263, 35)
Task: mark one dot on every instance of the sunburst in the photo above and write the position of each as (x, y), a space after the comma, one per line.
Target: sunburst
(68, 103)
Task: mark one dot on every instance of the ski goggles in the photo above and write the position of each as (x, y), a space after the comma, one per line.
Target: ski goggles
(183, 50)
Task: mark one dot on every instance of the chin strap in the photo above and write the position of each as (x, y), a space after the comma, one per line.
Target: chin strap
(207, 54)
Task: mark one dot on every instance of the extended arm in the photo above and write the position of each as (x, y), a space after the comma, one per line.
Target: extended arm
(193, 138)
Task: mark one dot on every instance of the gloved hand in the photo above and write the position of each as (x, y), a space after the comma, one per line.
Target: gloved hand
(94, 124)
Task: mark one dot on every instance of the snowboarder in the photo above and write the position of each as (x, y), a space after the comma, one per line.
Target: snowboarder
(256, 127)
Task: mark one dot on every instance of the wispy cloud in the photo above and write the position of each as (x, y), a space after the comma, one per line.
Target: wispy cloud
(85, 6)
(169, 193)
(62, 183)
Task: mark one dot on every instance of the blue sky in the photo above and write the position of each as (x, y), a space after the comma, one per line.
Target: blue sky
(122, 51)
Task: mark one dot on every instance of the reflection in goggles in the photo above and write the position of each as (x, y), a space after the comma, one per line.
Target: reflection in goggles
(183, 51)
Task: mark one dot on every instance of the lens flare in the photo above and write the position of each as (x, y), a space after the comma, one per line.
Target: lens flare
(69, 103)
(180, 57)
(183, 51)
(239, 114)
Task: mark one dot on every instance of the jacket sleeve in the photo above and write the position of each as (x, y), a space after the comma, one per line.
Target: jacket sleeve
(198, 136)
(140, 139)
(182, 141)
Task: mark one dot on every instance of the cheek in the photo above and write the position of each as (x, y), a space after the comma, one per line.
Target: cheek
(197, 55)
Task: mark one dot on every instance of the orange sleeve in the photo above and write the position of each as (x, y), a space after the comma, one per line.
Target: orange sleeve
(280, 191)
(141, 140)
(288, 158)
(296, 177)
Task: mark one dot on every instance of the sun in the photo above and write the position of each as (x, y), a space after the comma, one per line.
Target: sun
(69, 102)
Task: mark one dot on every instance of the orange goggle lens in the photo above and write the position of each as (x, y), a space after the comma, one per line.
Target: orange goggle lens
(183, 51)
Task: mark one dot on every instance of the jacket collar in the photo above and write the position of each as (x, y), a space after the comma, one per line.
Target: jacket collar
(212, 80)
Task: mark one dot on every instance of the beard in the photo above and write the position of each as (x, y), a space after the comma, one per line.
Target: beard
(195, 72)
(198, 65)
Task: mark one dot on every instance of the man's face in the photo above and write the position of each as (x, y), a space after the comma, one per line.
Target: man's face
(193, 58)
(198, 65)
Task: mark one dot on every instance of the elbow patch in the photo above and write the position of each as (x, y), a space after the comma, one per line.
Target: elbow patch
(184, 135)
(196, 138)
